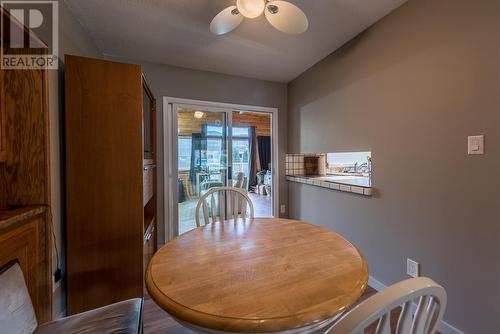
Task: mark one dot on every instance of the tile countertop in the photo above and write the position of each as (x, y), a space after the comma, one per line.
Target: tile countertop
(354, 184)
(360, 181)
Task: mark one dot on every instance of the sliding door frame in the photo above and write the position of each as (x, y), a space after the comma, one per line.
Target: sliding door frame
(170, 171)
(174, 172)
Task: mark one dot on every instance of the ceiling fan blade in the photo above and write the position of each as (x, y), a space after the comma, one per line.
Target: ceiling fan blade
(286, 17)
(225, 21)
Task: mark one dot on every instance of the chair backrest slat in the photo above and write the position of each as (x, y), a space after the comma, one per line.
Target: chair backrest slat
(243, 209)
(420, 316)
(430, 315)
(214, 208)
(424, 320)
(232, 202)
(222, 207)
(205, 211)
(384, 324)
(405, 319)
(229, 206)
(235, 206)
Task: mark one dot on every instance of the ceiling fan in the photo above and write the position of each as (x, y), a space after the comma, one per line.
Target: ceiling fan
(282, 15)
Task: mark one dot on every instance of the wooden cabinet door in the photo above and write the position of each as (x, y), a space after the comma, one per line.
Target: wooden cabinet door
(3, 150)
(22, 243)
(24, 133)
(104, 176)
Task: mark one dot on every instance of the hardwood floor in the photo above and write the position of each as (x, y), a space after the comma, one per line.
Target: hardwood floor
(157, 321)
(263, 204)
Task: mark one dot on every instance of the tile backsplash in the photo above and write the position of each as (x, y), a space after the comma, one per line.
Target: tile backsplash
(295, 164)
(305, 164)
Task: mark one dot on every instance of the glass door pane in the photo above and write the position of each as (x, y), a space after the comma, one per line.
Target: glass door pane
(202, 147)
(251, 158)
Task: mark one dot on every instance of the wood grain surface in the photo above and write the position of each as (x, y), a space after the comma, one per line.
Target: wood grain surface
(263, 275)
(188, 124)
(104, 164)
(23, 239)
(24, 172)
(10, 218)
(25, 229)
(3, 115)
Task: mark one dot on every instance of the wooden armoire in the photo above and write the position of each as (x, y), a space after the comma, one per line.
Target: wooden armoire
(25, 212)
(110, 181)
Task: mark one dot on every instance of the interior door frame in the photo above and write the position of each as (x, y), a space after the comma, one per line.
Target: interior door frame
(170, 171)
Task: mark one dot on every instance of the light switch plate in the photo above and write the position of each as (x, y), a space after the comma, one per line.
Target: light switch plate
(412, 268)
(475, 145)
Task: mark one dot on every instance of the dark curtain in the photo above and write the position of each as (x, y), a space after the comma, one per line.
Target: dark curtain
(204, 131)
(195, 157)
(254, 158)
(264, 152)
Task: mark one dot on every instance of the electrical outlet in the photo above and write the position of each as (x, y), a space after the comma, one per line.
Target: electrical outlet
(412, 268)
(282, 208)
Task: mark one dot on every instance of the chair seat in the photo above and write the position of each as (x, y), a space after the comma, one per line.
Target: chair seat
(123, 317)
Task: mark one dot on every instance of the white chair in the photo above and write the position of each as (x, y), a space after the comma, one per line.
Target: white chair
(420, 318)
(225, 202)
(241, 181)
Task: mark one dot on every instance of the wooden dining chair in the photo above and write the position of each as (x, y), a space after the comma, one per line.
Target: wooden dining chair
(224, 202)
(422, 303)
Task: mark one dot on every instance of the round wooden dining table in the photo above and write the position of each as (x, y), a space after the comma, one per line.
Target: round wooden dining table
(262, 275)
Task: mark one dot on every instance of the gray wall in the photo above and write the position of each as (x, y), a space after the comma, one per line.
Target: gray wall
(411, 89)
(72, 40)
(179, 82)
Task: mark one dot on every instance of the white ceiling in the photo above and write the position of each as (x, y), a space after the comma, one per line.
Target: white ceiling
(176, 32)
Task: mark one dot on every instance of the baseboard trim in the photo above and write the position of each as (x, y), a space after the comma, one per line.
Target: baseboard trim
(444, 327)
(377, 285)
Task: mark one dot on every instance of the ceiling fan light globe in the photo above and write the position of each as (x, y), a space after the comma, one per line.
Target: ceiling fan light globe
(251, 8)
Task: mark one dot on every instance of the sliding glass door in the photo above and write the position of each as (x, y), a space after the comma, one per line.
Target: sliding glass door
(219, 147)
(202, 159)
